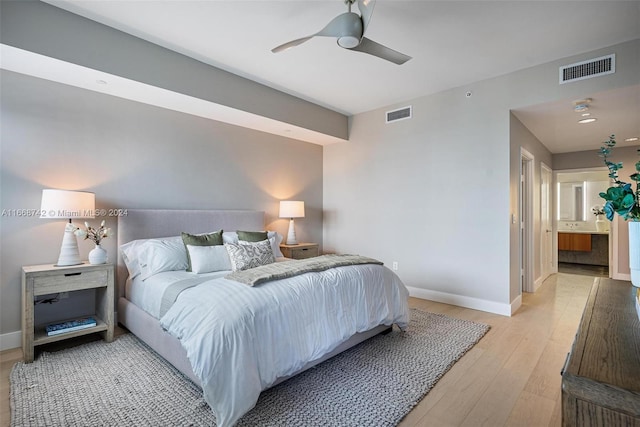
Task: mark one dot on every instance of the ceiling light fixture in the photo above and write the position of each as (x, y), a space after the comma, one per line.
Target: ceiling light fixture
(581, 105)
(587, 120)
(585, 114)
(632, 139)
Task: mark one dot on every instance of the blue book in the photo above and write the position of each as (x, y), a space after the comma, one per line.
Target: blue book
(70, 325)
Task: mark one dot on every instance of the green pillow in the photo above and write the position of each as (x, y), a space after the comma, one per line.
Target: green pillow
(211, 239)
(252, 236)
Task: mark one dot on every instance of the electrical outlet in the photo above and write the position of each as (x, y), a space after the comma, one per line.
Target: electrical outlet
(63, 295)
(394, 266)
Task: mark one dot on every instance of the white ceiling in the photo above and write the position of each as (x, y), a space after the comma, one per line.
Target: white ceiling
(556, 125)
(453, 43)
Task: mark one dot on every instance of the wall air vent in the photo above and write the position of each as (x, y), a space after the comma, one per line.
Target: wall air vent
(587, 69)
(399, 114)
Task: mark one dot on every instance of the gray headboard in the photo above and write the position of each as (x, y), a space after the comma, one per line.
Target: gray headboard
(152, 223)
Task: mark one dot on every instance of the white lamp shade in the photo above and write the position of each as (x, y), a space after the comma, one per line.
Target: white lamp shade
(67, 204)
(291, 209)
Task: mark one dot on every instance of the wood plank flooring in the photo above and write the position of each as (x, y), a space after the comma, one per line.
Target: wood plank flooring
(510, 378)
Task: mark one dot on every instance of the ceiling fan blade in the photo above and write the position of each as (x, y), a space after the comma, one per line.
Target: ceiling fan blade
(337, 27)
(290, 44)
(376, 49)
(366, 10)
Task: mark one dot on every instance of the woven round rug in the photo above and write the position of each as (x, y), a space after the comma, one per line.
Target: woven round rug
(125, 383)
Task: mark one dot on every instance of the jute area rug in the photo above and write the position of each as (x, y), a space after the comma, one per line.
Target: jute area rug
(125, 383)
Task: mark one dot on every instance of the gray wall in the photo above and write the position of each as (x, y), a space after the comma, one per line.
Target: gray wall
(133, 155)
(436, 192)
(521, 137)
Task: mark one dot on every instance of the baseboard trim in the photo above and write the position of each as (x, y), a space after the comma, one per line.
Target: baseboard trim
(537, 283)
(515, 305)
(464, 301)
(10, 340)
(620, 276)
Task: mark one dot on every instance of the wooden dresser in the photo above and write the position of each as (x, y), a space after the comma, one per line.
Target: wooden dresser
(601, 377)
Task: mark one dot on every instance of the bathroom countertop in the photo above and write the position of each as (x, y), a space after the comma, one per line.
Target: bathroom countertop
(583, 232)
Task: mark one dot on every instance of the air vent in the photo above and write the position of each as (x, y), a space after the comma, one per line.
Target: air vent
(587, 69)
(399, 114)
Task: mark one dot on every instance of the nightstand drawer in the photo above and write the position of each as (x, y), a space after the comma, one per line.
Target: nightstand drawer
(300, 251)
(303, 253)
(65, 281)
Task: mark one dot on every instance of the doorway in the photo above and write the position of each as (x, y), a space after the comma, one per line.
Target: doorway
(583, 247)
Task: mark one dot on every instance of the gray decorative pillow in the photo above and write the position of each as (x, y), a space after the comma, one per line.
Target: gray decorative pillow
(249, 255)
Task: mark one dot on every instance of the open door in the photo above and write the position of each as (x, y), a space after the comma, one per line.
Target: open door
(546, 223)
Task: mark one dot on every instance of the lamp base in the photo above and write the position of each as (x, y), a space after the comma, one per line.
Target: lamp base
(69, 254)
(291, 235)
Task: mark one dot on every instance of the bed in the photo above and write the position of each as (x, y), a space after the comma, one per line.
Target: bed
(232, 367)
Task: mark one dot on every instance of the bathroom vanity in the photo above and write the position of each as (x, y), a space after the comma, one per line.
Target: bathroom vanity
(583, 247)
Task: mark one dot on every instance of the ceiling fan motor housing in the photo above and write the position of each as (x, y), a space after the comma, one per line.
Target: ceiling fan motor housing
(351, 30)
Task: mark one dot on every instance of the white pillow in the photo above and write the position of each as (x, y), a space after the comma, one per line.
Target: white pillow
(247, 255)
(275, 245)
(130, 256)
(158, 255)
(205, 259)
(274, 237)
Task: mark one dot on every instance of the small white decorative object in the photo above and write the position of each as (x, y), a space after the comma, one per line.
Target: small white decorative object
(601, 224)
(98, 255)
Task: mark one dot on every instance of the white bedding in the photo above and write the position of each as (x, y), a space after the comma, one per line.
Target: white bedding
(147, 294)
(240, 339)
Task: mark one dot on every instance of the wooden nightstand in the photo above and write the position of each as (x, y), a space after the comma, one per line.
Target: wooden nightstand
(47, 279)
(300, 251)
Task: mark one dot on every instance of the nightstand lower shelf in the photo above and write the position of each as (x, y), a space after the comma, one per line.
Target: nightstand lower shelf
(40, 336)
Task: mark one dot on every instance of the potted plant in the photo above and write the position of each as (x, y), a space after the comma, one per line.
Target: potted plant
(601, 223)
(623, 199)
(98, 255)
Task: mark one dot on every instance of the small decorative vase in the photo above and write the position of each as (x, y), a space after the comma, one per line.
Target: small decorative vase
(601, 224)
(634, 252)
(98, 255)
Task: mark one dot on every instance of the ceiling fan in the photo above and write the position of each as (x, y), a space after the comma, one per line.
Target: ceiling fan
(349, 28)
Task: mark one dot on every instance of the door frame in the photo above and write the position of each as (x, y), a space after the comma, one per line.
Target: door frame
(525, 199)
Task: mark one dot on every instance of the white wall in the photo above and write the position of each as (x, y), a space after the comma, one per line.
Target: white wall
(436, 192)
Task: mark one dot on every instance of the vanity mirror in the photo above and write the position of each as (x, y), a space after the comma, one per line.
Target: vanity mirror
(571, 201)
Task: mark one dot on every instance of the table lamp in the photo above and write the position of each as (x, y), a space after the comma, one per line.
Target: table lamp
(291, 209)
(69, 205)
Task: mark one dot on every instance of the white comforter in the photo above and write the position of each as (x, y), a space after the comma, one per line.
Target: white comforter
(240, 339)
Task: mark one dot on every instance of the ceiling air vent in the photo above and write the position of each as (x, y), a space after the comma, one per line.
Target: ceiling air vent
(399, 114)
(587, 69)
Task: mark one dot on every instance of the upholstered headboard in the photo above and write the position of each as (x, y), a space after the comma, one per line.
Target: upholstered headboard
(152, 223)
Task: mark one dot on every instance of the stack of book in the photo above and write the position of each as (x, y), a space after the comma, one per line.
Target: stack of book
(70, 325)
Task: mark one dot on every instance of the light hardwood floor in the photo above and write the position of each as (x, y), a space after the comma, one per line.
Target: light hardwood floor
(510, 378)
